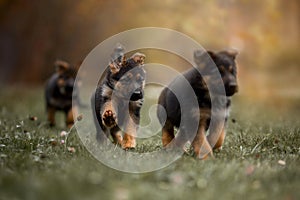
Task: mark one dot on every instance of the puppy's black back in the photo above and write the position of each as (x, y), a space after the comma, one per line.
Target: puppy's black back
(170, 103)
(224, 61)
(60, 97)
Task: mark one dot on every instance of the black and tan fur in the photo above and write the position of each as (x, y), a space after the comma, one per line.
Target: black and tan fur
(202, 145)
(59, 91)
(118, 100)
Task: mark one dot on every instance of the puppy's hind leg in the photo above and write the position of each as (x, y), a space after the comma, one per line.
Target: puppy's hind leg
(167, 133)
(201, 147)
(51, 116)
(216, 134)
(116, 135)
(70, 116)
(217, 139)
(130, 129)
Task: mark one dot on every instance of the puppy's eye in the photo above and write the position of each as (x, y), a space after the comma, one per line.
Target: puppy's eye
(60, 82)
(230, 69)
(141, 60)
(222, 69)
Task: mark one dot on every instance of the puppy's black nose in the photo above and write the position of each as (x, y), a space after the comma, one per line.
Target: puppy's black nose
(231, 89)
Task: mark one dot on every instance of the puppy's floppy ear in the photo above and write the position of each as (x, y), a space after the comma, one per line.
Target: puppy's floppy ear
(61, 66)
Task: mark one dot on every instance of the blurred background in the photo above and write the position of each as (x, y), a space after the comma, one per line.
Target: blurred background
(33, 34)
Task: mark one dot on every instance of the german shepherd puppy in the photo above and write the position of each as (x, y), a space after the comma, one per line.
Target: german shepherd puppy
(59, 91)
(202, 145)
(118, 100)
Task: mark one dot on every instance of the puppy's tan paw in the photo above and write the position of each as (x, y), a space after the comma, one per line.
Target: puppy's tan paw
(128, 144)
(109, 118)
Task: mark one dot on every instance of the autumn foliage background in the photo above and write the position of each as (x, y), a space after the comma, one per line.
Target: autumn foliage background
(35, 33)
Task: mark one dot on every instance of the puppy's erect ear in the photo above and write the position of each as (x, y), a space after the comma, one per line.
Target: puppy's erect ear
(212, 55)
(139, 58)
(113, 67)
(117, 64)
(61, 66)
(198, 54)
(200, 57)
(123, 61)
(204, 59)
(231, 53)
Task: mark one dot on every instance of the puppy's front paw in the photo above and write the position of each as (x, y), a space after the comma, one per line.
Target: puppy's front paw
(203, 153)
(109, 118)
(128, 143)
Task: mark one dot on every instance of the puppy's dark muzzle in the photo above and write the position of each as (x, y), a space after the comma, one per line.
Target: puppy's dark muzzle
(231, 89)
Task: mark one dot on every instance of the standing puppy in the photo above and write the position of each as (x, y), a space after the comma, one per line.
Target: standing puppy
(118, 100)
(60, 90)
(202, 145)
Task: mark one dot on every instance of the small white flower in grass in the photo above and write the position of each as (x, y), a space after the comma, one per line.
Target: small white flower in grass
(62, 141)
(281, 162)
(28, 135)
(33, 118)
(71, 149)
(63, 133)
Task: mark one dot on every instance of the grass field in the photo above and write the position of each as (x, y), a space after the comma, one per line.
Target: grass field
(259, 160)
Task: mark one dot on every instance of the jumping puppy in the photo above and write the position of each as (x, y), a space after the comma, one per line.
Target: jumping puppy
(119, 98)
